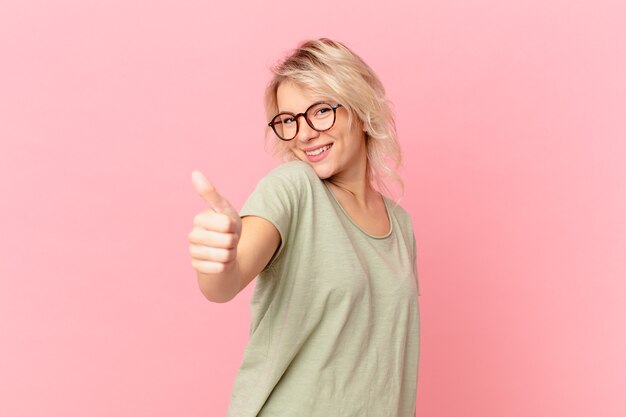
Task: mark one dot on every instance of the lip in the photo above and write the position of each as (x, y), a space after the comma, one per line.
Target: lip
(317, 158)
(312, 148)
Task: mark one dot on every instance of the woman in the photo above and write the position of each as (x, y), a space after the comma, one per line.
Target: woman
(335, 316)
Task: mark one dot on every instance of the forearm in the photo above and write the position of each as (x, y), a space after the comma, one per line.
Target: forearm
(221, 287)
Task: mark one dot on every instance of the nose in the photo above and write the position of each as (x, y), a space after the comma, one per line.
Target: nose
(305, 132)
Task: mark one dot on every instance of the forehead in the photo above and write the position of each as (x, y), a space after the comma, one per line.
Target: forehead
(294, 98)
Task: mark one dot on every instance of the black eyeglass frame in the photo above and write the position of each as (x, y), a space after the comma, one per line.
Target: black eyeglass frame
(296, 117)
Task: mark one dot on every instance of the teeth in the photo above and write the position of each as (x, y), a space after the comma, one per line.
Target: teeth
(318, 151)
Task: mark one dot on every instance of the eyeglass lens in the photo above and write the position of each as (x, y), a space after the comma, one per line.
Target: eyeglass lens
(319, 116)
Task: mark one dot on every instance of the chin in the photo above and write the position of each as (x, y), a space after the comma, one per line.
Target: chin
(322, 172)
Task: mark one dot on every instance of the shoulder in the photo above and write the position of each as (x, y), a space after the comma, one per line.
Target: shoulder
(403, 217)
(293, 170)
(294, 175)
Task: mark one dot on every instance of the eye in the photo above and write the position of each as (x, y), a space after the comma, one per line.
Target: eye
(323, 110)
(287, 120)
(320, 111)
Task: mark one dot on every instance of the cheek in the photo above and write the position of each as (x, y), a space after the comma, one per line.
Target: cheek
(291, 147)
(292, 150)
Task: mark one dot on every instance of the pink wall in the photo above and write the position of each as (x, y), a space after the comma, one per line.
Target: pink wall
(512, 118)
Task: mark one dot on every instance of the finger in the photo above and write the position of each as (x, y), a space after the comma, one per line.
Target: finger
(208, 267)
(207, 191)
(204, 253)
(217, 222)
(213, 239)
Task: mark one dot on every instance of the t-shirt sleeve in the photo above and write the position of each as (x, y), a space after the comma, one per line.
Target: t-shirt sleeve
(273, 199)
(414, 249)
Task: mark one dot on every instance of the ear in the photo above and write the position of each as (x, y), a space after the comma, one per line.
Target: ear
(362, 126)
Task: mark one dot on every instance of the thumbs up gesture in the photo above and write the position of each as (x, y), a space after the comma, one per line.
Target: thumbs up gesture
(216, 231)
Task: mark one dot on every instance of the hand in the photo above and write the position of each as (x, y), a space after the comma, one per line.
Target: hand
(216, 231)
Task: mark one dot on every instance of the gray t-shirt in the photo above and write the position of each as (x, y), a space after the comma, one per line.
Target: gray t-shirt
(335, 314)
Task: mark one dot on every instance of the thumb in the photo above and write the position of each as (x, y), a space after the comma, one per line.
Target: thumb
(207, 191)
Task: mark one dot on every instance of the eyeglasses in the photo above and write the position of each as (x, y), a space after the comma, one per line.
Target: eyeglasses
(320, 116)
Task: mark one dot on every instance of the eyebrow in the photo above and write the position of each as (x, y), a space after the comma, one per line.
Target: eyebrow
(321, 100)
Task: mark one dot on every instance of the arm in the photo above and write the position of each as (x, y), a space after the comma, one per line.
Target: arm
(258, 243)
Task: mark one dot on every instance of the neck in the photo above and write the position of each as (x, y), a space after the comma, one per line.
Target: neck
(356, 187)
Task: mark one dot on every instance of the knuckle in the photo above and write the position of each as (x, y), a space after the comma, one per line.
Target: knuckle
(231, 255)
(231, 240)
(212, 254)
(230, 224)
(220, 255)
(223, 255)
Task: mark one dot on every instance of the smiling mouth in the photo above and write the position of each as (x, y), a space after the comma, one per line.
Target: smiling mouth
(319, 150)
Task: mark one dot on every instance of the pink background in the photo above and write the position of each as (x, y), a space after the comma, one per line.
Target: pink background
(512, 119)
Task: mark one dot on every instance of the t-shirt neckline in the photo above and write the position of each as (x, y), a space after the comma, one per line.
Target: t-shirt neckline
(387, 210)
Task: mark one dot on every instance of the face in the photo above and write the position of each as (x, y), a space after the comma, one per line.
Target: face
(343, 149)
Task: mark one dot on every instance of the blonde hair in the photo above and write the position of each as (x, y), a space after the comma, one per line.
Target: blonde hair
(329, 68)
